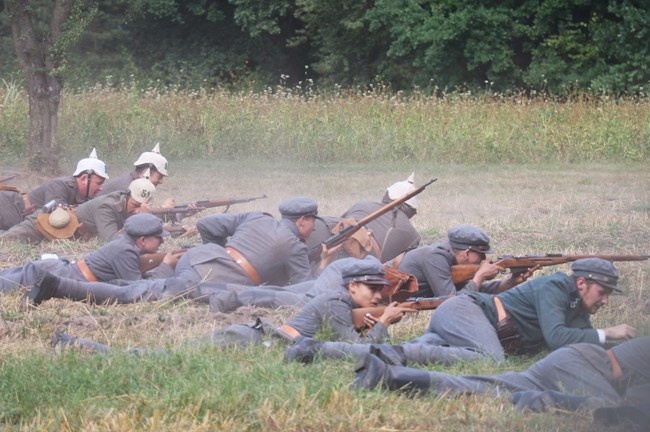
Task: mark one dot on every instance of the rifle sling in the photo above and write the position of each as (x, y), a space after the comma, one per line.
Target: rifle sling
(244, 264)
(86, 271)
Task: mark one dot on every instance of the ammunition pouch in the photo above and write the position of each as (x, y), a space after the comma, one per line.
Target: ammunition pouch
(402, 285)
(509, 335)
(361, 243)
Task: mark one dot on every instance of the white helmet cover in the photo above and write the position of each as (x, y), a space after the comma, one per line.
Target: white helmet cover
(142, 190)
(401, 188)
(92, 165)
(154, 158)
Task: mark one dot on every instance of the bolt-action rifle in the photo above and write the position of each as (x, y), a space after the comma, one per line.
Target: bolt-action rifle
(518, 264)
(152, 260)
(417, 303)
(187, 209)
(348, 231)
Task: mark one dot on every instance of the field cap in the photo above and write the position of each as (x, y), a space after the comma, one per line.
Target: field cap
(369, 271)
(600, 270)
(298, 206)
(144, 224)
(399, 189)
(469, 237)
(91, 165)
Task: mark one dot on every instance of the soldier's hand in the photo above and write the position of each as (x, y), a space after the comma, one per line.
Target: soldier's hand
(621, 331)
(369, 321)
(171, 258)
(487, 271)
(168, 203)
(521, 277)
(144, 208)
(394, 313)
(328, 255)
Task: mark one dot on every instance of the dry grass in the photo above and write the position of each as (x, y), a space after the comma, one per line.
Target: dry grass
(580, 208)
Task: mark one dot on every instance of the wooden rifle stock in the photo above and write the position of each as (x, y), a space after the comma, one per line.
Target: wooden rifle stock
(347, 232)
(153, 260)
(175, 210)
(418, 303)
(464, 272)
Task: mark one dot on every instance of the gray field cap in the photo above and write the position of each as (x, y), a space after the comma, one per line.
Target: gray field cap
(144, 224)
(369, 271)
(600, 270)
(469, 237)
(295, 207)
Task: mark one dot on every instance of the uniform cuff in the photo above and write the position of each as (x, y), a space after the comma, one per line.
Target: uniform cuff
(601, 336)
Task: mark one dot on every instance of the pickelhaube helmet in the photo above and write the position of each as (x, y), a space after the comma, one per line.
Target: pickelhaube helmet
(153, 158)
(91, 165)
(399, 189)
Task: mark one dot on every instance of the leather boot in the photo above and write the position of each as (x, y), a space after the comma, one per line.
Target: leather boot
(45, 287)
(303, 350)
(390, 354)
(65, 340)
(371, 372)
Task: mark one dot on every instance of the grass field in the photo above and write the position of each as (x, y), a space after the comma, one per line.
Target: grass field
(527, 209)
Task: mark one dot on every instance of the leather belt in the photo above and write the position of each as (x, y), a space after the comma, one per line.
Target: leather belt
(501, 311)
(616, 367)
(85, 270)
(244, 264)
(292, 332)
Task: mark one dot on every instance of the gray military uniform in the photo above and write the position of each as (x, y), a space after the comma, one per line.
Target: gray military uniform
(272, 247)
(120, 183)
(431, 265)
(228, 297)
(547, 312)
(104, 216)
(117, 260)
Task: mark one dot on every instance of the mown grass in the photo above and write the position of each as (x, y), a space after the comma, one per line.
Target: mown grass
(527, 209)
(365, 125)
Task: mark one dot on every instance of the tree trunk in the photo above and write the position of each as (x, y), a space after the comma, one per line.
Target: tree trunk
(40, 66)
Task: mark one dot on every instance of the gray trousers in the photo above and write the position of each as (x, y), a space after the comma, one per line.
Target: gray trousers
(24, 231)
(25, 275)
(580, 369)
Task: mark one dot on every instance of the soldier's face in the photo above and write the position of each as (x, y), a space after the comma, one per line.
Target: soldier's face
(150, 244)
(96, 185)
(132, 206)
(594, 296)
(365, 295)
(156, 178)
(306, 225)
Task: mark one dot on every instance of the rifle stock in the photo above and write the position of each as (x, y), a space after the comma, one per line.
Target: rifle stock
(153, 260)
(348, 231)
(464, 272)
(418, 303)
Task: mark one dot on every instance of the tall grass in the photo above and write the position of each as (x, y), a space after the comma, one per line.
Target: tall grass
(364, 125)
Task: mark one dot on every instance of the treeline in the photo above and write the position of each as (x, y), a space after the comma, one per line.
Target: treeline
(553, 46)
